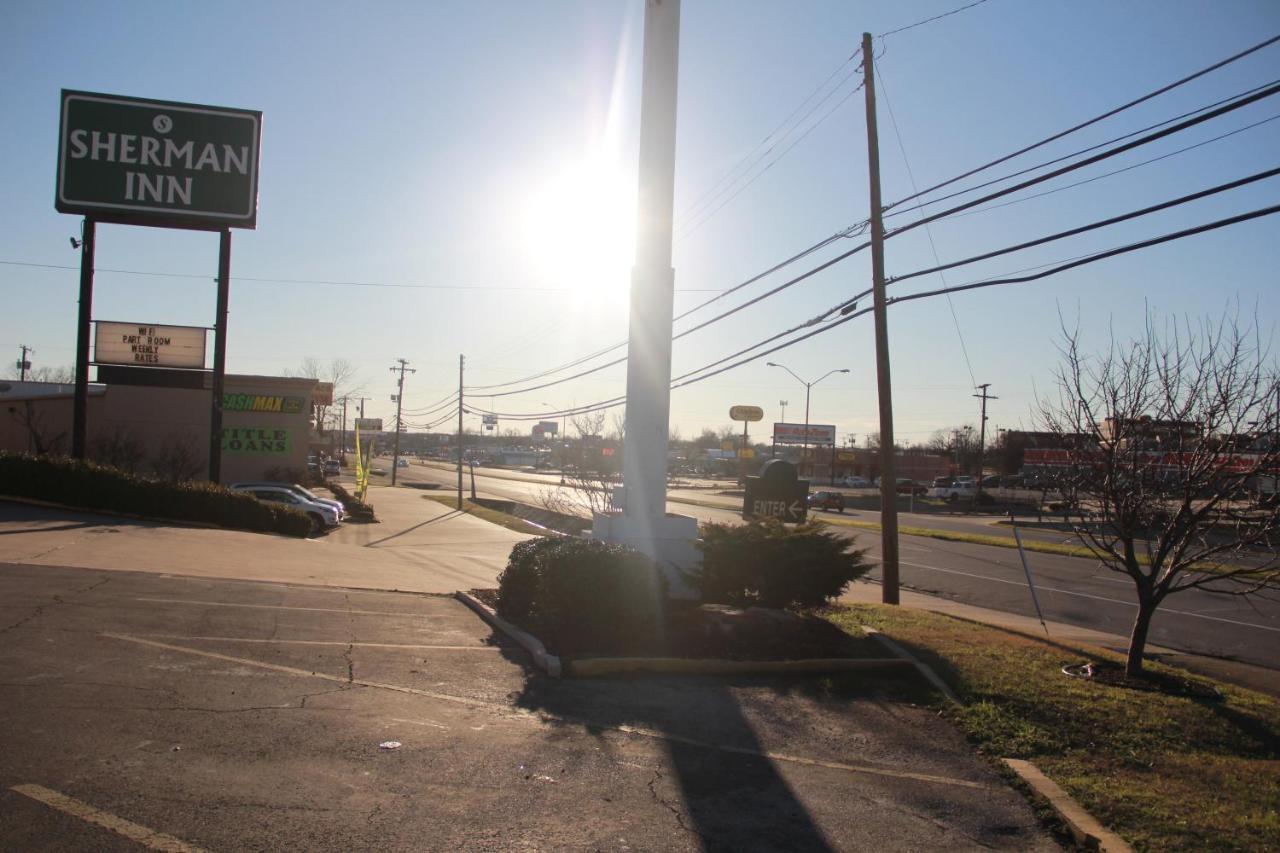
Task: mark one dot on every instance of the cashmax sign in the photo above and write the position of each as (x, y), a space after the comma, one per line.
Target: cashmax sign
(164, 163)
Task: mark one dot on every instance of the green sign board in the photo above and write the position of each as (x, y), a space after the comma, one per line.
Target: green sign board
(255, 440)
(163, 163)
(263, 403)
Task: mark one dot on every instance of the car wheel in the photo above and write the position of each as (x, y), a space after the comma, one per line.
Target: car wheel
(317, 522)
(842, 510)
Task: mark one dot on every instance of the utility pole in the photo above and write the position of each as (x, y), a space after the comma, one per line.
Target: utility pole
(23, 364)
(982, 431)
(461, 362)
(888, 479)
(395, 456)
(342, 435)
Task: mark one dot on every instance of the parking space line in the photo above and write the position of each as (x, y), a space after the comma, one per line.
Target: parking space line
(134, 832)
(342, 643)
(342, 610)
(518, 713)
(306, 673)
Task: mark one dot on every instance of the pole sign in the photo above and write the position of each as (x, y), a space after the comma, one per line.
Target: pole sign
(776, 493)
(149, 346)
(369, 424)
(746, 413)
(145, 162)
(819, 434)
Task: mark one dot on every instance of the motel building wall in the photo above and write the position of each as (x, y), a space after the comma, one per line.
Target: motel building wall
(266, 423)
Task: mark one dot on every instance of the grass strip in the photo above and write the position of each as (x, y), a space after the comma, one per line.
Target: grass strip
(1167, 772)
(493, 516)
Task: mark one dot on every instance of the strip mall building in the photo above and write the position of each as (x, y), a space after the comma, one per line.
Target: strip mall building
(266, 425)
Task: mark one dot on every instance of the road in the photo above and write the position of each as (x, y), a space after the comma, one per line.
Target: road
(1071, 590)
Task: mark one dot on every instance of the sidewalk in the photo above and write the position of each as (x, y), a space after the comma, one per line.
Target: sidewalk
(1234, 672)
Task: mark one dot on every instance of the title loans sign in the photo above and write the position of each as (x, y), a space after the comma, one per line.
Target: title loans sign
(150, 346)
(157, 162)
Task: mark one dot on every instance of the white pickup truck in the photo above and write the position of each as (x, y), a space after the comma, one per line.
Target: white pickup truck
(953, 488)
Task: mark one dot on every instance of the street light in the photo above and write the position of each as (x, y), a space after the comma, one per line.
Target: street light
(808, 386)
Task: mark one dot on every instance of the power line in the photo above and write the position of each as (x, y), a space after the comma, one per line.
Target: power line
(1092, 226)
(706, 197)
(1112, 152)
(1086, 150)
(689, 229)
(1088, 259)
(1092, 121)
(964, 349)
(1217, 138)
(931, 20)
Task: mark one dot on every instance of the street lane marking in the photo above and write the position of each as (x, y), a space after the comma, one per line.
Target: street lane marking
(418, 723)
(278, 607)
(521, 714)
(332, 643)
(134, 832)
(1094, 597)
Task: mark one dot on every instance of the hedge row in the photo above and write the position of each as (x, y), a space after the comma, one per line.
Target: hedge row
(579, 595)
(89, 485)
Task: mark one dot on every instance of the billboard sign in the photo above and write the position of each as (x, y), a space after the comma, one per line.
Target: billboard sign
(149, 346)
(162, 163)
(795, 434)
(746, 413)
(369, 424)
(548, 427)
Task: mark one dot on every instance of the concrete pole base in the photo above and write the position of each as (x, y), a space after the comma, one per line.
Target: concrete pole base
(668, 540)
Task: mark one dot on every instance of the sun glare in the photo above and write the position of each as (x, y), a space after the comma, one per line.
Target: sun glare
(579, 229)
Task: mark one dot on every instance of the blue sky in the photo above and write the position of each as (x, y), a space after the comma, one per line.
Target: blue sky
(484, 154)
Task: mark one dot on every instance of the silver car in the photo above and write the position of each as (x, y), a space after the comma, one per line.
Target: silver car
(323, 513)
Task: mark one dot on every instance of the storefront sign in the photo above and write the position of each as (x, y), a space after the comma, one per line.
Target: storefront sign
(263, 403)
(255, 440)
(746, 413)
(149, 346)
(157, 162)
(795, 434)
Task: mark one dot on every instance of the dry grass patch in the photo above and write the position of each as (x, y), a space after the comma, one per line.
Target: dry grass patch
(1167, 772)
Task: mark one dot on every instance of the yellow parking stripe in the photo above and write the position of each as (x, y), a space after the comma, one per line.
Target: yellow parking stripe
(134, 832)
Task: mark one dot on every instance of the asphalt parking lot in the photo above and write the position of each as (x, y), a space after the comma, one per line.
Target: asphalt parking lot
(149, 711)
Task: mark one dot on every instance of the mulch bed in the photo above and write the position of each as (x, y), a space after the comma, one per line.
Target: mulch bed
(728, 633)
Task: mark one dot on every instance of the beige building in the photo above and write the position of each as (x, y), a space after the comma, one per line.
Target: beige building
(266, 425)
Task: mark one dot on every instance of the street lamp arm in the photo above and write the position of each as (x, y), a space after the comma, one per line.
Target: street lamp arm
(789, 370)
(828, 373)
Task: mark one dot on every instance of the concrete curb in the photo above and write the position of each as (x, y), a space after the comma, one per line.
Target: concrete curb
(1083, 826)
(923, 668)
(588, 667)
(544, 660)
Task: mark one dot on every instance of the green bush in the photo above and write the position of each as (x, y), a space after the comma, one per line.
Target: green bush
(355, 507)
(767, 564)
(89, 485)
(579, 595)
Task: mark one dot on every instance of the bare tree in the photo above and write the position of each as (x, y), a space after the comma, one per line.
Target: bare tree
(340, 373)
(56, 375)
(120, 447)
(41, 439)
(1164, 436)
(178, 458)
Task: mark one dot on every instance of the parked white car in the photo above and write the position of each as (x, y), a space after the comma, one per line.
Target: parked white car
(322, 515)
(300, 491)
(854, 482)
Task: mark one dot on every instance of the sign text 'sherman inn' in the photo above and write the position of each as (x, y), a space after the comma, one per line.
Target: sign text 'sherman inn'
(158, 162)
